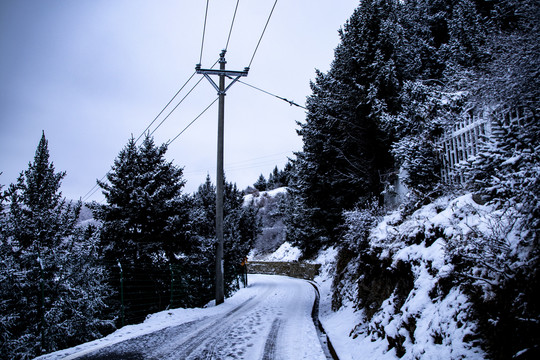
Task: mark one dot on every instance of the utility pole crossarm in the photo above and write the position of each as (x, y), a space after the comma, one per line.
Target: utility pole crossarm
(221, 72)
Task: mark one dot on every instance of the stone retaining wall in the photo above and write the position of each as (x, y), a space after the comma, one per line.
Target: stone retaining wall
(293, 269)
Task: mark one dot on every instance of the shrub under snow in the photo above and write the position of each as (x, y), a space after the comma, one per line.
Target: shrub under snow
(417, 286)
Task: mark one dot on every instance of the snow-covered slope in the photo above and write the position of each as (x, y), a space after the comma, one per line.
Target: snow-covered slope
(394, 300)
(286, 252)
(262, 196)
(273, 232)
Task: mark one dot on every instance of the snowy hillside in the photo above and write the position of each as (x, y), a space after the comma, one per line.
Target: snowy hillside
(396, 297)
(273, 231)
(393, 288)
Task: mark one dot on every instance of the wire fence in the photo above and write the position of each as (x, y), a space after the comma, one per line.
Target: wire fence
(143, 290)
(140, 290)
(53, 302)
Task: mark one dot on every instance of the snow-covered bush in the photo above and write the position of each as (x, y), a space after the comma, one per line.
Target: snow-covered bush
(497, 262)
(401, 282)
(499, 258)
(454, 279)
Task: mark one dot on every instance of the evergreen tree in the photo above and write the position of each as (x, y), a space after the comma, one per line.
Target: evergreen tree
(144, 225)
(287, 173)
(391, 85)
(144, 206)
(273, 179)
(240, 230)
(203, 212)
(278, 178)
(40, 217)
(261, 183)
(344, 148)
(51, 291)
(300, 232)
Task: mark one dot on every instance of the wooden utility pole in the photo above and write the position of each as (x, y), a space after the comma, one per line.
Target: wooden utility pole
(221, 90)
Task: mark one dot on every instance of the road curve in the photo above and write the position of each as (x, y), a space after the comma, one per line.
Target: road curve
(273, 322)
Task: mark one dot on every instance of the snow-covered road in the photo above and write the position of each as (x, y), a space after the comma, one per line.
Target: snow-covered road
(271, 319)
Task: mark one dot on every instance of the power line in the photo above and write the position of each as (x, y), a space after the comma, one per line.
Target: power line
(232, 23)
(93, 190)
(166, 106)
(247, 163)
(267, 21)
(180, 102)
(188, 125)
(204, 31)
(292, 103)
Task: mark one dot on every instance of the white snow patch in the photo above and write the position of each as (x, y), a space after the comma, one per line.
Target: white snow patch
(286, 253)
(256, 197)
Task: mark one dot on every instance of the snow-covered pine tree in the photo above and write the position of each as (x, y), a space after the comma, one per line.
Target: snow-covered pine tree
(143, 224)
(300, 231)
(144, 203)
(199, 276)
(240, 230)
(52, 295)
(203, 211)
(261, 184)
(344, 148)
(277, 178)
(272, 178)
(241, 227)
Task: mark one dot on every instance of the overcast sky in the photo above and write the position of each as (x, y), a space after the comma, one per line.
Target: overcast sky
(91, 73)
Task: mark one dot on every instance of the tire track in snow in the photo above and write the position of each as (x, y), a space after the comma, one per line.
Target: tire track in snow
(271, 342)
(214, 332)
(148, 346)
(136, 348)
(270, 325)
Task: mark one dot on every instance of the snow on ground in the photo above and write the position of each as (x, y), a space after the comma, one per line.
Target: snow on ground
(270, 318)
(258, 196)
(337, 325)
(432, 325)
(286, 252)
